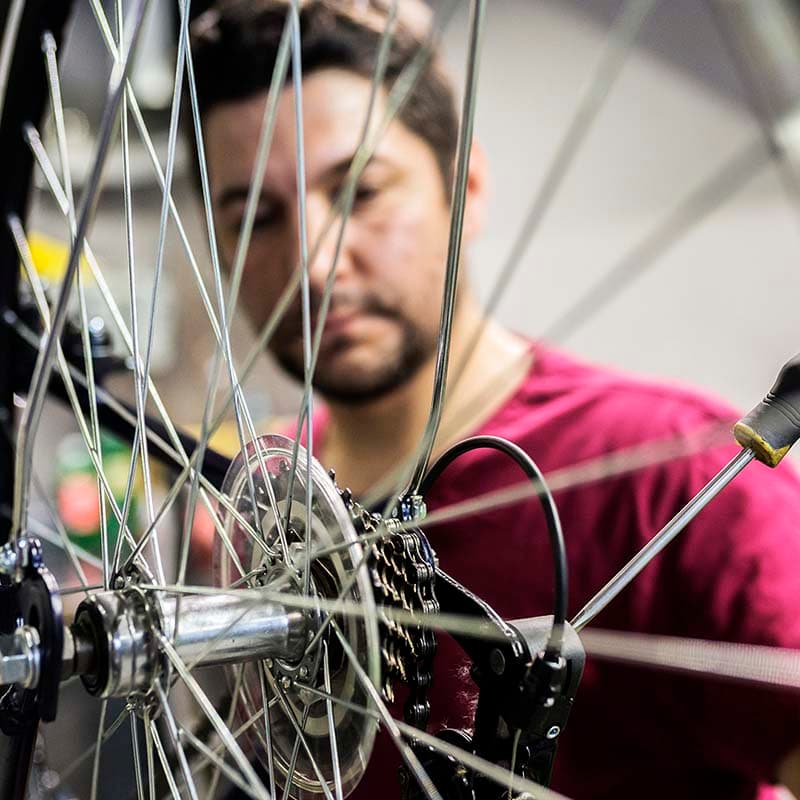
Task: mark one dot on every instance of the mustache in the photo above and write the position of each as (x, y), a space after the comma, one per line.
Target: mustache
(341, 302)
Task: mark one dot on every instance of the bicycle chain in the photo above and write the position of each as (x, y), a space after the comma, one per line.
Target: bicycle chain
(403, 570)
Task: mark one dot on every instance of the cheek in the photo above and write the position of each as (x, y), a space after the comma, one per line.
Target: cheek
(262, 283)
(408, 244)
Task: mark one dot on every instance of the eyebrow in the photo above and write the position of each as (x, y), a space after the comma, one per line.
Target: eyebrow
(239, 193)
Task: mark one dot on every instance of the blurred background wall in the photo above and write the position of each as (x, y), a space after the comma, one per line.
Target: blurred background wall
(719, 307)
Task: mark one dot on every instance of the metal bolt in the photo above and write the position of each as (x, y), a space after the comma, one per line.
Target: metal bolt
(8, 560)
(306, 697)
(97, 326)
(420, 509)
(497, 661)
(268, 663)
(303, 672)
(21, 663)
(286, 682)
(14, 669)
(553, 732)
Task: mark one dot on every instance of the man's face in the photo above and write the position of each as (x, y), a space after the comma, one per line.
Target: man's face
(384, 312)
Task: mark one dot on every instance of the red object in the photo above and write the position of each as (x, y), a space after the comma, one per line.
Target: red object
(732, 575)
(78, 503)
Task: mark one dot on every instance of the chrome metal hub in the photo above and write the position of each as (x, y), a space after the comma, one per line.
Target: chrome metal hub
(126, 627)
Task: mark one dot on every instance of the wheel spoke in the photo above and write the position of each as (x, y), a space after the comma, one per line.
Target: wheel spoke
(137, 764)
(397, 98)
(759, 665)
(148, 743)
(326, 676)
(477, 14)
(347, 586)
(119, 409)
(413, 763)
(305, 290)
(12, 23)
(49, 48)
(219, 764)
(243, 728)
(347, 199)
(109, 400)
(144, 134)
(213, 717)
(68, 590)
(300, 739)
(139, 444)
(296, 752)
(223, 353)
(90, 751)
(42, 531)
(237, 689)
(480, 765)
(162, 757)
(97, 750)
(59, 537)
(251, 206)
(760, 106)
(172, 138)
(399, 93)
(265, 703)
(624, 33)
(26, 258)
(41, 376)
(44, 163)
(174, 735)
(54, 84)
(63, 537)
(610, 465)
(702, 201)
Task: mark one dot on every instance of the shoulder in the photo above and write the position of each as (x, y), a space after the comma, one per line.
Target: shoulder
(644, 448)
(585, 410)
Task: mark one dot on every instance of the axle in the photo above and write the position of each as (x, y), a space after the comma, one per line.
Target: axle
(113, 644)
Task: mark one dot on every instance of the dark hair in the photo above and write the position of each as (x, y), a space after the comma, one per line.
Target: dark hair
(235, 46)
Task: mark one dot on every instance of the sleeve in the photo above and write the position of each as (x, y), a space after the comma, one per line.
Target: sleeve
(739, 573)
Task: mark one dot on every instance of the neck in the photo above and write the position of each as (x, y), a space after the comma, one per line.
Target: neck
(366, 442)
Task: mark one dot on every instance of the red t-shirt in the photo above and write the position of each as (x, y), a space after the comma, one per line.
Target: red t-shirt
(732, 575)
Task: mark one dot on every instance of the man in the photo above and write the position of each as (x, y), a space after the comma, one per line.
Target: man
(732, 574)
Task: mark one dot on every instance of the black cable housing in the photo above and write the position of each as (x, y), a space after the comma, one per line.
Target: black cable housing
(529, 467)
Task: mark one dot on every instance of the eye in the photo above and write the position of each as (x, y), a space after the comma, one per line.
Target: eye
(364, 193)
(264, 219)
(266, 216)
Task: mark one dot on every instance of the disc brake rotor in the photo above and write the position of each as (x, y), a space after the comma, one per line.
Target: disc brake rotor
(277, 560)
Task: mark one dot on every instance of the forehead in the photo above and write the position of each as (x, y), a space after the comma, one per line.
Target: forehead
(335, 104)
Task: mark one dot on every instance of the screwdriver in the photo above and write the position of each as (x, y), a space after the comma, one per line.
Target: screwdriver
(765, 434)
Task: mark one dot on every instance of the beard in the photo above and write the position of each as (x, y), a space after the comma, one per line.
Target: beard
(358, 386)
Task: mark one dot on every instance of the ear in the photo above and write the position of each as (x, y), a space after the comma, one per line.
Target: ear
(477, 192)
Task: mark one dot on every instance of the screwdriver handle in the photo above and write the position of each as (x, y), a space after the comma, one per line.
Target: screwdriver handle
(773, 426)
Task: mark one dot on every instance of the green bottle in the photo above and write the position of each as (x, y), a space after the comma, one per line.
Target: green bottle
(77, 495)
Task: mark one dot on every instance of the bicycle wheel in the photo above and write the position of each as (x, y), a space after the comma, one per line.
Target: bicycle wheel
(305, 684)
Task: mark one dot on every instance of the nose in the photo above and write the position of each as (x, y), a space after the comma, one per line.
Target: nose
(323, 233)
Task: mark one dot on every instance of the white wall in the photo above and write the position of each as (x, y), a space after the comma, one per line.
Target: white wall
(719, 309)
